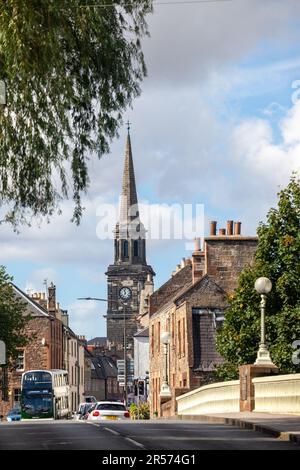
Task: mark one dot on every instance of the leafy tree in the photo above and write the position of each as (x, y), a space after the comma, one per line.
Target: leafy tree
(12, 317)
(71, 68)
(277, 257)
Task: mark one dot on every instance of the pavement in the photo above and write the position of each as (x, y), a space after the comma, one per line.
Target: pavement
(128, 435)
(280, 426)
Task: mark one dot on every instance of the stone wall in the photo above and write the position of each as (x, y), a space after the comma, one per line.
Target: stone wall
(227, 256)
(223, 397)
(278, 394)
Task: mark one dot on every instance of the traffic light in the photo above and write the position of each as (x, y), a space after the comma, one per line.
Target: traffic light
(135, 388)
(141, 387)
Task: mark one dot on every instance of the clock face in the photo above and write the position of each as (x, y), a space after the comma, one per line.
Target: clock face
(125, 293)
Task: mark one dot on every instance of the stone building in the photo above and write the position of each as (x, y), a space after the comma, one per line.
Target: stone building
(52, 345)
(73, 347)
(101, 377)
(141, 362)
(130, 268)
(191, 306)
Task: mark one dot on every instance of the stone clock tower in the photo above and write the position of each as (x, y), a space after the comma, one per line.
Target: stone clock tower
(130, 268)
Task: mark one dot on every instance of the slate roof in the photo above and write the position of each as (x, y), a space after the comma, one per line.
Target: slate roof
(98, 341)
(144, 333)
(103, 367)
(34, 308)
(206, 282)
(170, 289)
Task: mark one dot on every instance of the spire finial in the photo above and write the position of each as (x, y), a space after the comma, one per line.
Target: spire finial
(128, 125)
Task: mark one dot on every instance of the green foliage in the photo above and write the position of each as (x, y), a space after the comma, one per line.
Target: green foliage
(139, 412)
(277, 258)
(71, 70)
(12, 317)
(227, 371)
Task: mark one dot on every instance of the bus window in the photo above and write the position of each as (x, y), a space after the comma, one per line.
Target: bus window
(31, 379)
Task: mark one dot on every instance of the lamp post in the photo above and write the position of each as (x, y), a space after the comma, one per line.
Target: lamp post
(165, 391)
(263, 286)
(125, 295)
(2, 93)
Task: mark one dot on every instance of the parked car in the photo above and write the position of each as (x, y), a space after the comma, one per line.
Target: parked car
(14, 415)
(108, 410)
(83, 410)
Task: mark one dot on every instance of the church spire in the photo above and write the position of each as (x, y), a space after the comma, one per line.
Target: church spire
(129, 196)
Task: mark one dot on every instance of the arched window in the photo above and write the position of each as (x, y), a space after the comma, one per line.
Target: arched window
(135, 248)
(125, 248)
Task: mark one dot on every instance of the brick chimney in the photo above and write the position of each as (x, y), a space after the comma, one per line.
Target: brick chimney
(237, 228)
(197, 263)
(52, 299)
(197, 244)
(213, 228)
(222, 232)
(229, 227)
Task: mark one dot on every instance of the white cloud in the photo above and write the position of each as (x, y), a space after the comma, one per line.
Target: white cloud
(86, 317)
(189, 41)
(39, 278)
(256, 150)
(58, 242)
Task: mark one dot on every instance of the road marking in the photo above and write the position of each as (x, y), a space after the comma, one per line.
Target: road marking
(112, 431)
(138, 444)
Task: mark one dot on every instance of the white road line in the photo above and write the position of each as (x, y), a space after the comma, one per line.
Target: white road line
(112, 431)
(138, 444)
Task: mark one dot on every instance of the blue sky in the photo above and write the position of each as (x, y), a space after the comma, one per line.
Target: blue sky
(215, 125)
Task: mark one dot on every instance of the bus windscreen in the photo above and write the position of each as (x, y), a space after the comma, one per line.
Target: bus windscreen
(37, 379)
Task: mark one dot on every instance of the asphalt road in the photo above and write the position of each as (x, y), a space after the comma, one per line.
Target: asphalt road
(149, 435)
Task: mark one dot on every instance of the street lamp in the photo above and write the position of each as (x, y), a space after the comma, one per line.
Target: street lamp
(263, 286)
(125, 295)
(165, 391)
(2, 93)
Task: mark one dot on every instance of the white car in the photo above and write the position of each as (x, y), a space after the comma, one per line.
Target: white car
(108, 410)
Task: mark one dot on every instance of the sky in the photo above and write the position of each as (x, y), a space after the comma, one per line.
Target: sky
(217, 125)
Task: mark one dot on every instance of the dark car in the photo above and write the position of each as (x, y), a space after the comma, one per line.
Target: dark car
(90, 399)
(14, 415)
(83, 410)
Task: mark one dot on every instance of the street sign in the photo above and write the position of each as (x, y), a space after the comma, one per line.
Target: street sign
(2, 353)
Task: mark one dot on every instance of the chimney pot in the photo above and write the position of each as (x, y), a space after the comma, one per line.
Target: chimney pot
(197, 244)
(213, 228)
(183, 262)
(222, 231)
(229, 227)
(237, 228)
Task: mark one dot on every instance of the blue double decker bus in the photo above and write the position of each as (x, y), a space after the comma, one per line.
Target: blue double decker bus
(45, 394)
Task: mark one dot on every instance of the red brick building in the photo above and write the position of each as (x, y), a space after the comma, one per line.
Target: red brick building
(50, 337)
(191, 306)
